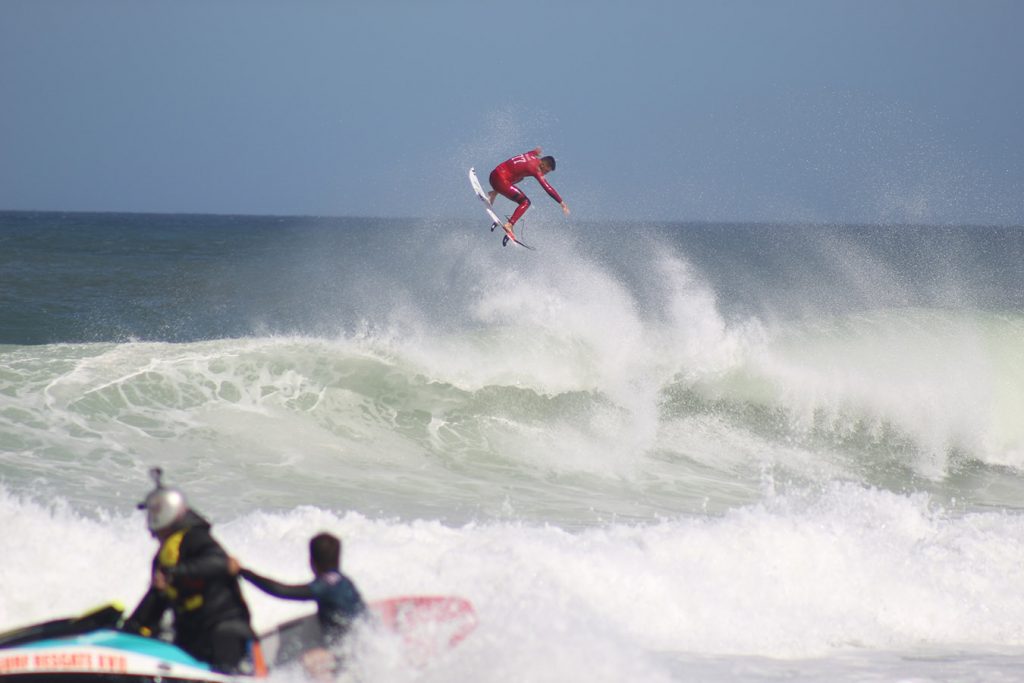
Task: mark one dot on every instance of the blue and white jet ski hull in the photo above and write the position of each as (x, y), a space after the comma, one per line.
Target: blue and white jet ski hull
(102, 656)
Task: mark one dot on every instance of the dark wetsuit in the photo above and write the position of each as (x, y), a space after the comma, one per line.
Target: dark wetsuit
(504, 177)
(338, 602)
(211, 619)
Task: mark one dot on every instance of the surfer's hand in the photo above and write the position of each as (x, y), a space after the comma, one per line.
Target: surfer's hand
(565, 208)
(233, 566)
(159, 580)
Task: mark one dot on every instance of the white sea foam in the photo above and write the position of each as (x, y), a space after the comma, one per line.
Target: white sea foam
(658, 419)
(725, 454)
(848, 570)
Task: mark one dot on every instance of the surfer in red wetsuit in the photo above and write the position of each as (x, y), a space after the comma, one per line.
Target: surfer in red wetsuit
(505, 176)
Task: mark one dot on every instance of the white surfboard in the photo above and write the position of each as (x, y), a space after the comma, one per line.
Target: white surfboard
(496, 221)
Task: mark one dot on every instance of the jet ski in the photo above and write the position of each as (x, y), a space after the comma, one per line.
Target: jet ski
(92, 648)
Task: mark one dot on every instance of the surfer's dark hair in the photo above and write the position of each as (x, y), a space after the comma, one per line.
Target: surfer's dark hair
(550, 161)
(325, 551)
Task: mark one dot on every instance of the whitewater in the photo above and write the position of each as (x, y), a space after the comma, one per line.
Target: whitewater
(644, 452)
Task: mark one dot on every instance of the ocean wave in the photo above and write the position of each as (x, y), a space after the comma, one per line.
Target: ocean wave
(807, 573)
(894, 398)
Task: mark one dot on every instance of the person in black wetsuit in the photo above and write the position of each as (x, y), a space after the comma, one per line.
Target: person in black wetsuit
(190, 576)
(338, 602)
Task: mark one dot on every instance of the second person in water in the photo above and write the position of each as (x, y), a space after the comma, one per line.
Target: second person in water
(338, 602)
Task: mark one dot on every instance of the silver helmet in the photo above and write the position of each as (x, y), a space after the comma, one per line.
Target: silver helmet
(164, 506)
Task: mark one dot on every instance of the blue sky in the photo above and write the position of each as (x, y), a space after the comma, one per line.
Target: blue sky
(872, 111)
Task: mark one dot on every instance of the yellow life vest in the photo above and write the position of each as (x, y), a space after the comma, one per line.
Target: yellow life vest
(170, 553)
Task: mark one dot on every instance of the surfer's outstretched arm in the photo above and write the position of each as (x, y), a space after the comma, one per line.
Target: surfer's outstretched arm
(278, 589)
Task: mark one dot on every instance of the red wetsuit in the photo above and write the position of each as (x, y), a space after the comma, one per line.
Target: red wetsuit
(508, 173)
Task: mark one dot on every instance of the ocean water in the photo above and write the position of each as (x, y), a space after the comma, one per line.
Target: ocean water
(645, 452)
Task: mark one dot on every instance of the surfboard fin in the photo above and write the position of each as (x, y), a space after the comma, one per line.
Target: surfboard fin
(504, 241)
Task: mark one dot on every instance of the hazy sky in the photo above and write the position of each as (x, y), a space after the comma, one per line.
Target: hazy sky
(786, 110)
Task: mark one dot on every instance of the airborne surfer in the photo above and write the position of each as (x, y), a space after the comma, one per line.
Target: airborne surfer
(506, 174)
